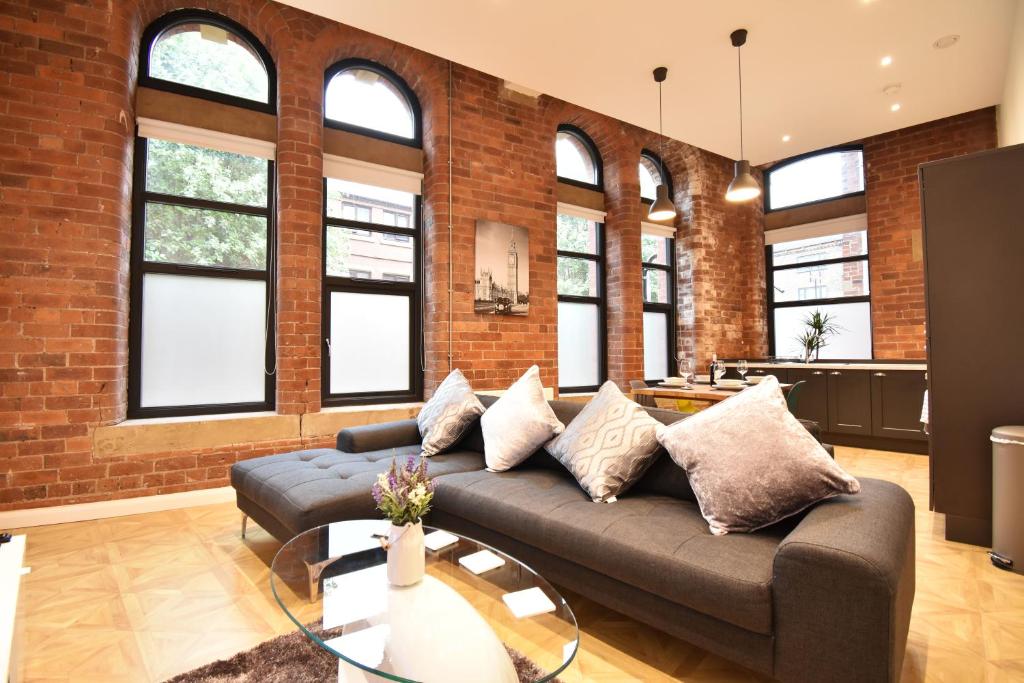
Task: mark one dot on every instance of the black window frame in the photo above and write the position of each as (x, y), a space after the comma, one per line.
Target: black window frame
(601, 300)
(360, 285)
(666, 176)
(771, 269)
(668, 308)
(801, 157)
(190, 16)
(395, 80)
(589, 145)
(140, 267)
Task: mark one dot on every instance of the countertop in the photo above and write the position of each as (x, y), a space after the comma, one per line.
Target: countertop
(856, 365)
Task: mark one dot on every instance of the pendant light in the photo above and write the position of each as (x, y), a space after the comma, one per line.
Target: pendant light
(662, 209)
(743, 186)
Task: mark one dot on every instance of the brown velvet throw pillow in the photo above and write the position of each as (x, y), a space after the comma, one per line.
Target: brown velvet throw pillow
(751, 463)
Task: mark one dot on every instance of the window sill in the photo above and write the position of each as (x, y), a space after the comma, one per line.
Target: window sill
(370, 407)
(139, 421)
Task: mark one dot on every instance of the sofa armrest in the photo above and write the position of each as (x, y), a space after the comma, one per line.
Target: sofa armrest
(378, 437)
(843, 588)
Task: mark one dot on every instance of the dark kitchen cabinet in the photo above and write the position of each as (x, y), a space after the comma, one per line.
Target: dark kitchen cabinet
(781, 374)
(849, 402)
(896, 398)
(812, 399)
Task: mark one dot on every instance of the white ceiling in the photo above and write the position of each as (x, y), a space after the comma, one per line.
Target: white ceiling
(810, 68)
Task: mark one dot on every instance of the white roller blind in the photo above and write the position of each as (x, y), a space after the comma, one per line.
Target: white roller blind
(833, 226)
(366, 173)
(657, 230)
(189, 135)
(582, 212)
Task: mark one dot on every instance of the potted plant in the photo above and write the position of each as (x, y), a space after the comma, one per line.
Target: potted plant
(820, 326)
(403, 494)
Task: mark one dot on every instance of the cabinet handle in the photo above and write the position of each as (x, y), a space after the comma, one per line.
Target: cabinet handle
(879, 374)
(817, 372)
(835, 372)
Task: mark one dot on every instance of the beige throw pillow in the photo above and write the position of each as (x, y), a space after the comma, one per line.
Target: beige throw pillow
(609, 445)
(518, 423)
(449, 414)
(751, 463)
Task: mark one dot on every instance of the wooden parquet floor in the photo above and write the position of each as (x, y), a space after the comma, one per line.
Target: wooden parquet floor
(143, 598)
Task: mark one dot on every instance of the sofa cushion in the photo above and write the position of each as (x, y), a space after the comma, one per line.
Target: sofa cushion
(653, 542)
(307, 488)
(609, 445)
(451, 411)
(518, 423)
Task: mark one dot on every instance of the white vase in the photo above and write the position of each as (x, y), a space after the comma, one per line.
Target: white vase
(406, 554)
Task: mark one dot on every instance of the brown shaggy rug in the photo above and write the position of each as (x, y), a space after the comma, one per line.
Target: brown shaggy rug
(295, 659)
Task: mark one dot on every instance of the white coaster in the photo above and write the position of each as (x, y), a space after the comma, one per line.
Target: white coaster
(436, 540)
(528, 603)
(481, 562)
(348, 538)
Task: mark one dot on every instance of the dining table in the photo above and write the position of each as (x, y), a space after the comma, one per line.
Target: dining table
(697, 392)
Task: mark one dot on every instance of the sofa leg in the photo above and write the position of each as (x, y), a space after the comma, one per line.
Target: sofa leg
(245, 518)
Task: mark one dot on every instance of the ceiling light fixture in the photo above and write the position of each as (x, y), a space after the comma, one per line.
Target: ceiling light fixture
(743, 185)
(895, 106)
(886, 60)
(946, 41)
(662, 209)
(786, 138)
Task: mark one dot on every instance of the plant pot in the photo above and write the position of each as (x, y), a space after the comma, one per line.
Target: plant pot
(406, 554)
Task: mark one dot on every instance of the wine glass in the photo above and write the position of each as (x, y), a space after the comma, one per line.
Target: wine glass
(719, 370)
(685, 369)
(741, 367)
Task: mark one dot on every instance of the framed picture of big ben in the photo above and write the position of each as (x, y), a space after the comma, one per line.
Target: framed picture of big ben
(502, 276)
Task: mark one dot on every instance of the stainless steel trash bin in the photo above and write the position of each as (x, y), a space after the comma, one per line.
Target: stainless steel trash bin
(1007, 499)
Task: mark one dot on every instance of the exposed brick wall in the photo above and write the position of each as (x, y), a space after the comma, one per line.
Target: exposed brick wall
(894, 221)
(67, 78)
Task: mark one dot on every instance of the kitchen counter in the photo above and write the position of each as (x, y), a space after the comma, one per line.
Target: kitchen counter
(855, 365)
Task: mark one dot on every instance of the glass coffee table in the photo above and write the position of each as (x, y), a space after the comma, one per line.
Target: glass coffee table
(454, 625)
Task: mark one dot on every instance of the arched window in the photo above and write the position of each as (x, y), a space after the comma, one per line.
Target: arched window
(576, 157)
(372, 244)
(815, 177)
(206, 55)
(651, 175)
(370, 99)
(201, 338)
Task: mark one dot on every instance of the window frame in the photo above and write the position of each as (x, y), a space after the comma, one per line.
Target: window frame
(595, 156)
(140, 267)
(189, 16)
(395, 80)
(665, 174)
(771, 268)
(359, 285)
(669, 307)
(807, 155)
(601, 300)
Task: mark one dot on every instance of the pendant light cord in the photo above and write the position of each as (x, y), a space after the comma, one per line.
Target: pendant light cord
(739, 65)
(661, 138)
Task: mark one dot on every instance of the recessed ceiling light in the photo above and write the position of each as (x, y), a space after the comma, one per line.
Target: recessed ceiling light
(895, 106)
(946, 41)
(886, 60)
(785, 138)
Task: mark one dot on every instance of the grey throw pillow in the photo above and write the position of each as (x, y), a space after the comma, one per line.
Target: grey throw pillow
(449, 414)
(751, 463)
(609, 445)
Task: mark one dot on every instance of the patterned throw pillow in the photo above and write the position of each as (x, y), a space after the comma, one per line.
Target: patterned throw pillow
(518, 423)
(751, 463)
(609, 445)
(449, 414)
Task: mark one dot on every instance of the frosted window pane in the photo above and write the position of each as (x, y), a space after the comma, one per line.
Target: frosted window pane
(203, 340)
(655, 345)
(577, 345)
(853, 340)
(369, 343)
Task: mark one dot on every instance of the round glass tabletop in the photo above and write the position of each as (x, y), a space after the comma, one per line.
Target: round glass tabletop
(463, 621)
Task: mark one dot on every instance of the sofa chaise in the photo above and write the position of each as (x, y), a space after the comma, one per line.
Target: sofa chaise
(823, 596)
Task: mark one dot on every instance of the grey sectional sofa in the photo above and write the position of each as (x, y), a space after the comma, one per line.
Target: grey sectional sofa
(824, 596)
